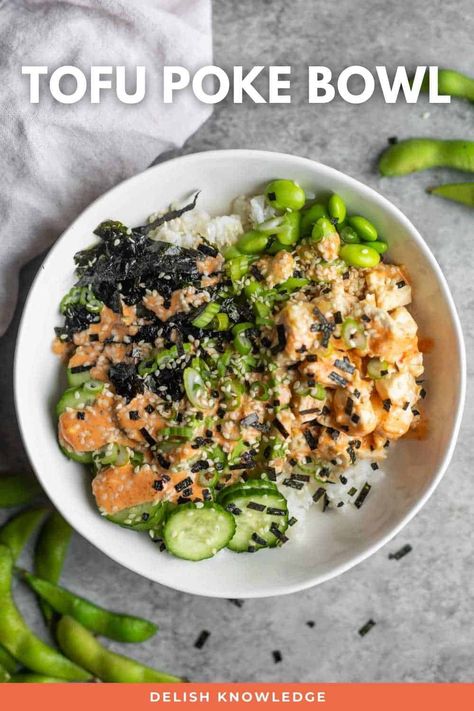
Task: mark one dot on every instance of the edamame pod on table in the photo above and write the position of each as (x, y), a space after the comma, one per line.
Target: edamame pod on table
(457, 192)
(83, 648)
(16, 532)
(4, 675)
(123, 628)
(417, 154)
(30, 678)
(50, 553)
(21, 642)
(7, 661)
(452, 83)
(16, 490)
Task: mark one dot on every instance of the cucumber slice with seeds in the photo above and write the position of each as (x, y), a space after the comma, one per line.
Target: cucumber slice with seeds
(243, 486)
(143, 517)
(197, 532)
(254, 522)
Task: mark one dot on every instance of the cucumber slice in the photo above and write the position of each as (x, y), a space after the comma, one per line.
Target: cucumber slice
(196, 533)
(78, 398)
(143, 517)
(242, 486)
(253, 526)
(82, 457)
(78, 375)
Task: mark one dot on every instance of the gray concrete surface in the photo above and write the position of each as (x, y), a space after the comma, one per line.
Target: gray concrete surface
(423, 603)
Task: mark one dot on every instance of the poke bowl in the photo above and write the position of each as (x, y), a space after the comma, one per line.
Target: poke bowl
(249, 343)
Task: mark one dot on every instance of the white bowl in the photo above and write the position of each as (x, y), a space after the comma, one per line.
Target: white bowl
(329, 543)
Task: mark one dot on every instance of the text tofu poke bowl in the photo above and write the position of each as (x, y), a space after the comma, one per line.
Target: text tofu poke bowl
(253, 387)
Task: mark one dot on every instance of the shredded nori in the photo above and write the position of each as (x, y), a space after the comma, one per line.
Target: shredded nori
(366, 628)
(362, 495)
(125, 379)
(401, 553)
(202, 639)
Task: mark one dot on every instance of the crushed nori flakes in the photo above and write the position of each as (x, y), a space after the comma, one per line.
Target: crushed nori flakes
(387, 404)
(281, 335)
(259, 540)
(281, 428)
(338, 379)
(362, 495)
(310, 439)
(125, 379)
(80, 415)
(147, 436)
(272, 511)
(255, 506)
(345, 365)
(236, 602)
(183, 484)
(318, 493)
(134, 415)
(401, 553)
(249, 420)
(277, 657)
(292, 521)
(293, 484)
(80, 368)
(310, 623)
(277, 533)
(374, 466)
(202, 639)
(158, 484)
(366, 628)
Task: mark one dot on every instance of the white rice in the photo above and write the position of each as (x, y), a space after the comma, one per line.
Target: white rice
(224, 230)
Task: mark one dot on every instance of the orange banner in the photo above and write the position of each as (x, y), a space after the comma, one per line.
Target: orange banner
(209, 697)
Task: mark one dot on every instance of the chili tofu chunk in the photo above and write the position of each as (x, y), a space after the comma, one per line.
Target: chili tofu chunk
(298, 319)
(277, 269)
(389, 285)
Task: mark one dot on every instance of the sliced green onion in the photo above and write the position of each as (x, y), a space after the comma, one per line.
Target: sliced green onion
(270, 226)
(198, 394)
(178, 432)
(220, 322)
(241, 342)
(254, 288)
(111, 455)
(318, 392)
(353, 335)
(238, 267)
(223, 362)
(377, 368)
(289, 231)
(206, 316)
(207, 479)
(260, 391)
(136, 458)
(145, 367)
(292, 284)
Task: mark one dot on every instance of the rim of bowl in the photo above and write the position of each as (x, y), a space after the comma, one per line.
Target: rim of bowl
(362, 190)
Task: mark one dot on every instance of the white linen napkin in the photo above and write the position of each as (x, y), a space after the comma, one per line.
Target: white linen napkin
(56, 158)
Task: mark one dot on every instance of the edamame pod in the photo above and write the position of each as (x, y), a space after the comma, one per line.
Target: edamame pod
(50, 553)
(16, 490)
(417, 154)
(16, 532)
(7, 661)
(29, 678)
(83, 648)
(452, 83)
(457, 192)
(21, 642)
(4, 675)
(123, 628)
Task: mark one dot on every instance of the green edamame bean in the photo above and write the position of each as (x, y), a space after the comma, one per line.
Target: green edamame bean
(83, 648)
(337, 208)
(422, 153)
(349, 235)
(452, 83)
(50, 553)
(252, 242)
(457, 192)
(289, 230)
(7, 661)
(231, 252)
(277, 246)
(363, 227)
(359, 255)
(16, 490)
(310, 216)
(28, 678)
(322, 228)
(123, 628)
(285, 195)
(379, 246)
(16, 532)
(21, 642)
